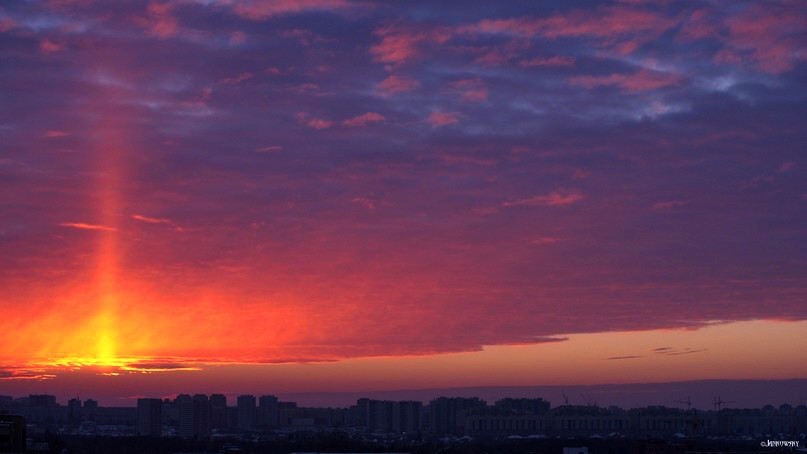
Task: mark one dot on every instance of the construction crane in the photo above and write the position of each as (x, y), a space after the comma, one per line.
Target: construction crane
(718, 402)
(565, 399)
(687, 402)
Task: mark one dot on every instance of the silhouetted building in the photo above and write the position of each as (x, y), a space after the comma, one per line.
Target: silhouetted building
(380, 414)
(362, 411)
(498, 424)
(588, 420)
(408, 417)
(201, 415)
(663, 422)
(74, 412)
(536, 406)
(767, 420)
(268, 411)
(41, 400)
(193, 415)
(12, 433)
(42, 410)
(149, 417)
(384, 416)
(184, 405)
(218, 411)
(116, 416)
(90, 408)
(287, 411)
(447, 414)
(246, 411)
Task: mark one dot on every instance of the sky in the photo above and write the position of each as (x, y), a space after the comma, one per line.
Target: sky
(325, 195)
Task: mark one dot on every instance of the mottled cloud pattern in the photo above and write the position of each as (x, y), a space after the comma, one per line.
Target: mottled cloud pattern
(325, 179)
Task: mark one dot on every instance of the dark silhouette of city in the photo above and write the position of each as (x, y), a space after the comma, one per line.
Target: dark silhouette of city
(248, 423)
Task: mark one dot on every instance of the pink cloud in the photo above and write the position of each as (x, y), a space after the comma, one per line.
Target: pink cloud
(522, 26)
(556, 61)
(545, 240)
(499, 55)
(85, 226)
(318, 123)
(237, 79)
(397, 84)
(302, 36)
(365, 202)
(472, 90)
(786, 167)
(668, 205)
(313, 123)
(399, 44)
(622, 27)
(159, 20)
(493, 57)
(238, 37)
(476, 95)
(269, 149)
(465, 158)
(55, 134)
(642, 80)
(47, 46)
(364, 119)
(395, 47)
(7, 24)
(150, 220)
(260, 9)
(771, 37)
(556, 198)
(699, 25)
(443, 118)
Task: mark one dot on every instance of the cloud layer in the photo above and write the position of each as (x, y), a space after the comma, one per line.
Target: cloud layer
(327, 179)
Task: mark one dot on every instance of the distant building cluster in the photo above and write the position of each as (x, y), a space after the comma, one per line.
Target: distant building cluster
(202, 416)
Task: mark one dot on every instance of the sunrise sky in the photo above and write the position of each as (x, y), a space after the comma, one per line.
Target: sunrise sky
(344, 195)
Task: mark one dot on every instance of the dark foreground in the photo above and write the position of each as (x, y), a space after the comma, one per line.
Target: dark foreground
(343, 443)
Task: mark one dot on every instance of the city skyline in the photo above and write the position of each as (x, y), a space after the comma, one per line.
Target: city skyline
(202, 417)
(701, 395)
(348, 196)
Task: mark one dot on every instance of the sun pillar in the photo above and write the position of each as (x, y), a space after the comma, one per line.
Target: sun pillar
(109, 151)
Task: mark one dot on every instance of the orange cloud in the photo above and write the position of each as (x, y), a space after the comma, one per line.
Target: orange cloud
(149, 220)
(84, 226)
